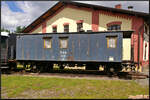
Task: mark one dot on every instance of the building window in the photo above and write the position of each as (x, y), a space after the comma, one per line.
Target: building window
(54, 28)
(146, 29)
(63, 42)
(145, 51)
(116, 25)
(111, 42)
(66, 27)
(79, 25)
(47, 42)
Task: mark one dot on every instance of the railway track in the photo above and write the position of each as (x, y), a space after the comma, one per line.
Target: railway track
(84, 73)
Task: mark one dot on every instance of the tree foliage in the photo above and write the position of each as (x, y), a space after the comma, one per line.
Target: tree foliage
(5, 30)
(19, 29)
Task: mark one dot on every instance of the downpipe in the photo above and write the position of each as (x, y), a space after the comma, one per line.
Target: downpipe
(139, 45)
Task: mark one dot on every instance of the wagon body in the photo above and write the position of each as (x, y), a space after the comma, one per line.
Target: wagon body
(81, 47)
(4, 50)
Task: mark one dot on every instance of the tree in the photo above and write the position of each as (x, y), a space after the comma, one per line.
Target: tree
(19, 29)
(5, 30)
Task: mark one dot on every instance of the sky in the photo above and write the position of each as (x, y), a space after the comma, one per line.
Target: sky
(23, 13)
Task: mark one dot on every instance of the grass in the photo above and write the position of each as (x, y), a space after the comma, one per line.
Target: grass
(48, 87)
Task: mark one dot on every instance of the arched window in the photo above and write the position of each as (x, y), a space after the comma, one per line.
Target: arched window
(114, 25)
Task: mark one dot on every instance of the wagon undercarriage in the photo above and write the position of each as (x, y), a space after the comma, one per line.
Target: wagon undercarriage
(47, 66)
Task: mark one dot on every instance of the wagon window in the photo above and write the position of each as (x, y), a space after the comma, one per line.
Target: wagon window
(47, 43)
(111, 42)
(64, 43)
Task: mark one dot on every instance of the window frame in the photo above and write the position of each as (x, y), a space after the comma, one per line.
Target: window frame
(50, 41)
(79, 27)
(54, 29)
(60, 44)
(114, 24)
(114, 27)
(66, 28)
(145, 52)
(108, 40)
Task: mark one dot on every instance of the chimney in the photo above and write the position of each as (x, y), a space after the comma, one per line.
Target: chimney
(118, 6)
(130, 7)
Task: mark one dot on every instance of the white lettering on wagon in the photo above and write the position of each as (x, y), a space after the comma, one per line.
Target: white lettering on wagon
(63, 54)
(111, 58)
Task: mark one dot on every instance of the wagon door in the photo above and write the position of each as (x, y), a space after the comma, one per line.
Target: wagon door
(113, 49)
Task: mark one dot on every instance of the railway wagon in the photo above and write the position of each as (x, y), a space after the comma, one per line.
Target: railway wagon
(41, 51)
(4, 48)
(7, 51)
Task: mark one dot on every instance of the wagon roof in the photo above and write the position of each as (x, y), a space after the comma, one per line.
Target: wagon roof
(60, 4)
(4, 33)
(125, 33)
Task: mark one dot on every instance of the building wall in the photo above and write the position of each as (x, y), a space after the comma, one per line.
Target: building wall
(104, 19)
(38, 30)
(137, 26)
(126, 49)
(68, 15)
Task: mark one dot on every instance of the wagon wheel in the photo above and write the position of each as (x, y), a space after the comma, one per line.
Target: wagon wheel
(106, 69)
(34, 69)
(109, 70)
(25, 66)
(88, 66)
(118, 68)
(50, 67)
(61, 66)
(39, 68)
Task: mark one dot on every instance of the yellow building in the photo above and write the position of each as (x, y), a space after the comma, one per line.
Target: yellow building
(75, 17)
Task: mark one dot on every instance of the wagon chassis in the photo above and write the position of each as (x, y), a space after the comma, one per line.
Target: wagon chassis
(41, 66)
